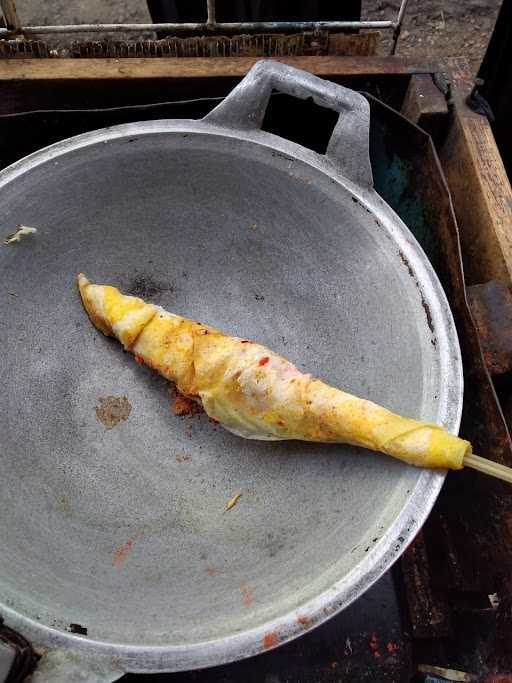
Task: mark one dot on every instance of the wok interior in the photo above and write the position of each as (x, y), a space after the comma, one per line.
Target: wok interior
(113, 529)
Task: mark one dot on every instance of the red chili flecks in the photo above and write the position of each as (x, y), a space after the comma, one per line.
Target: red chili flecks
(270, 640)
(138, 359)
(280, 423)
(184, 406)
(119, 554)
(264, 360)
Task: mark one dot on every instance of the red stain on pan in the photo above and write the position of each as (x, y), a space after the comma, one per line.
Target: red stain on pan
(120, 553)
(305, 622)
(270, 640)
(247, 597)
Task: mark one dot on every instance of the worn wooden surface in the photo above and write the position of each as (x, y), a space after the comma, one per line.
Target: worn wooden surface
(27, 84)
(480, 189)
(491, 306)
(198, 67)
(424, 104)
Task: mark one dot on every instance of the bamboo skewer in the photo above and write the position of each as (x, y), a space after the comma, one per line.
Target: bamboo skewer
(494, 469)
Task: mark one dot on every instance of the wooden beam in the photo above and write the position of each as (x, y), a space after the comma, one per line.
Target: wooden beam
(424, 104)
(480, 189)
(197, 67)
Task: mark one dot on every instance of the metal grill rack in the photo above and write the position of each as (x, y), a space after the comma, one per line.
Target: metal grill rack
(14, 27)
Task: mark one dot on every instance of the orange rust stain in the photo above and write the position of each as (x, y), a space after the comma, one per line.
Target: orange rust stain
(392, 647)
(120, 553)
(138, 359)
(304, 621)
(211, 571)
(247, 597)
(374, 645)
(184, 406)
(270, 640)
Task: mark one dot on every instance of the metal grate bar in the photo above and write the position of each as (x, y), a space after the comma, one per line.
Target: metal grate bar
(248, 27)
(210, 10)
(398, 27)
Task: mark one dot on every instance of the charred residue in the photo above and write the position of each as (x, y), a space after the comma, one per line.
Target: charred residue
(146, 287)
(424, 303)
(78, 628)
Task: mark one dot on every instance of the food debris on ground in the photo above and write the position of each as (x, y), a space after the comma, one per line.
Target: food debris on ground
(182, 457)
(233, 501)
(21, 231)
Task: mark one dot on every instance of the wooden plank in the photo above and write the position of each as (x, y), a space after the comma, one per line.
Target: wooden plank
(480, 189)
(192, 67)
(491, 306)
(424, 104)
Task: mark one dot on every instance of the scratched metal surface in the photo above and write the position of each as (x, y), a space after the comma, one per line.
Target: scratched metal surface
(114, 511)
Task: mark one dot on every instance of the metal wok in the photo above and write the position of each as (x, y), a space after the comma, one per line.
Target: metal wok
(121, 530)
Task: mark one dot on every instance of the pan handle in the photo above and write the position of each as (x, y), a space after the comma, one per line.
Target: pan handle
(348, 146)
